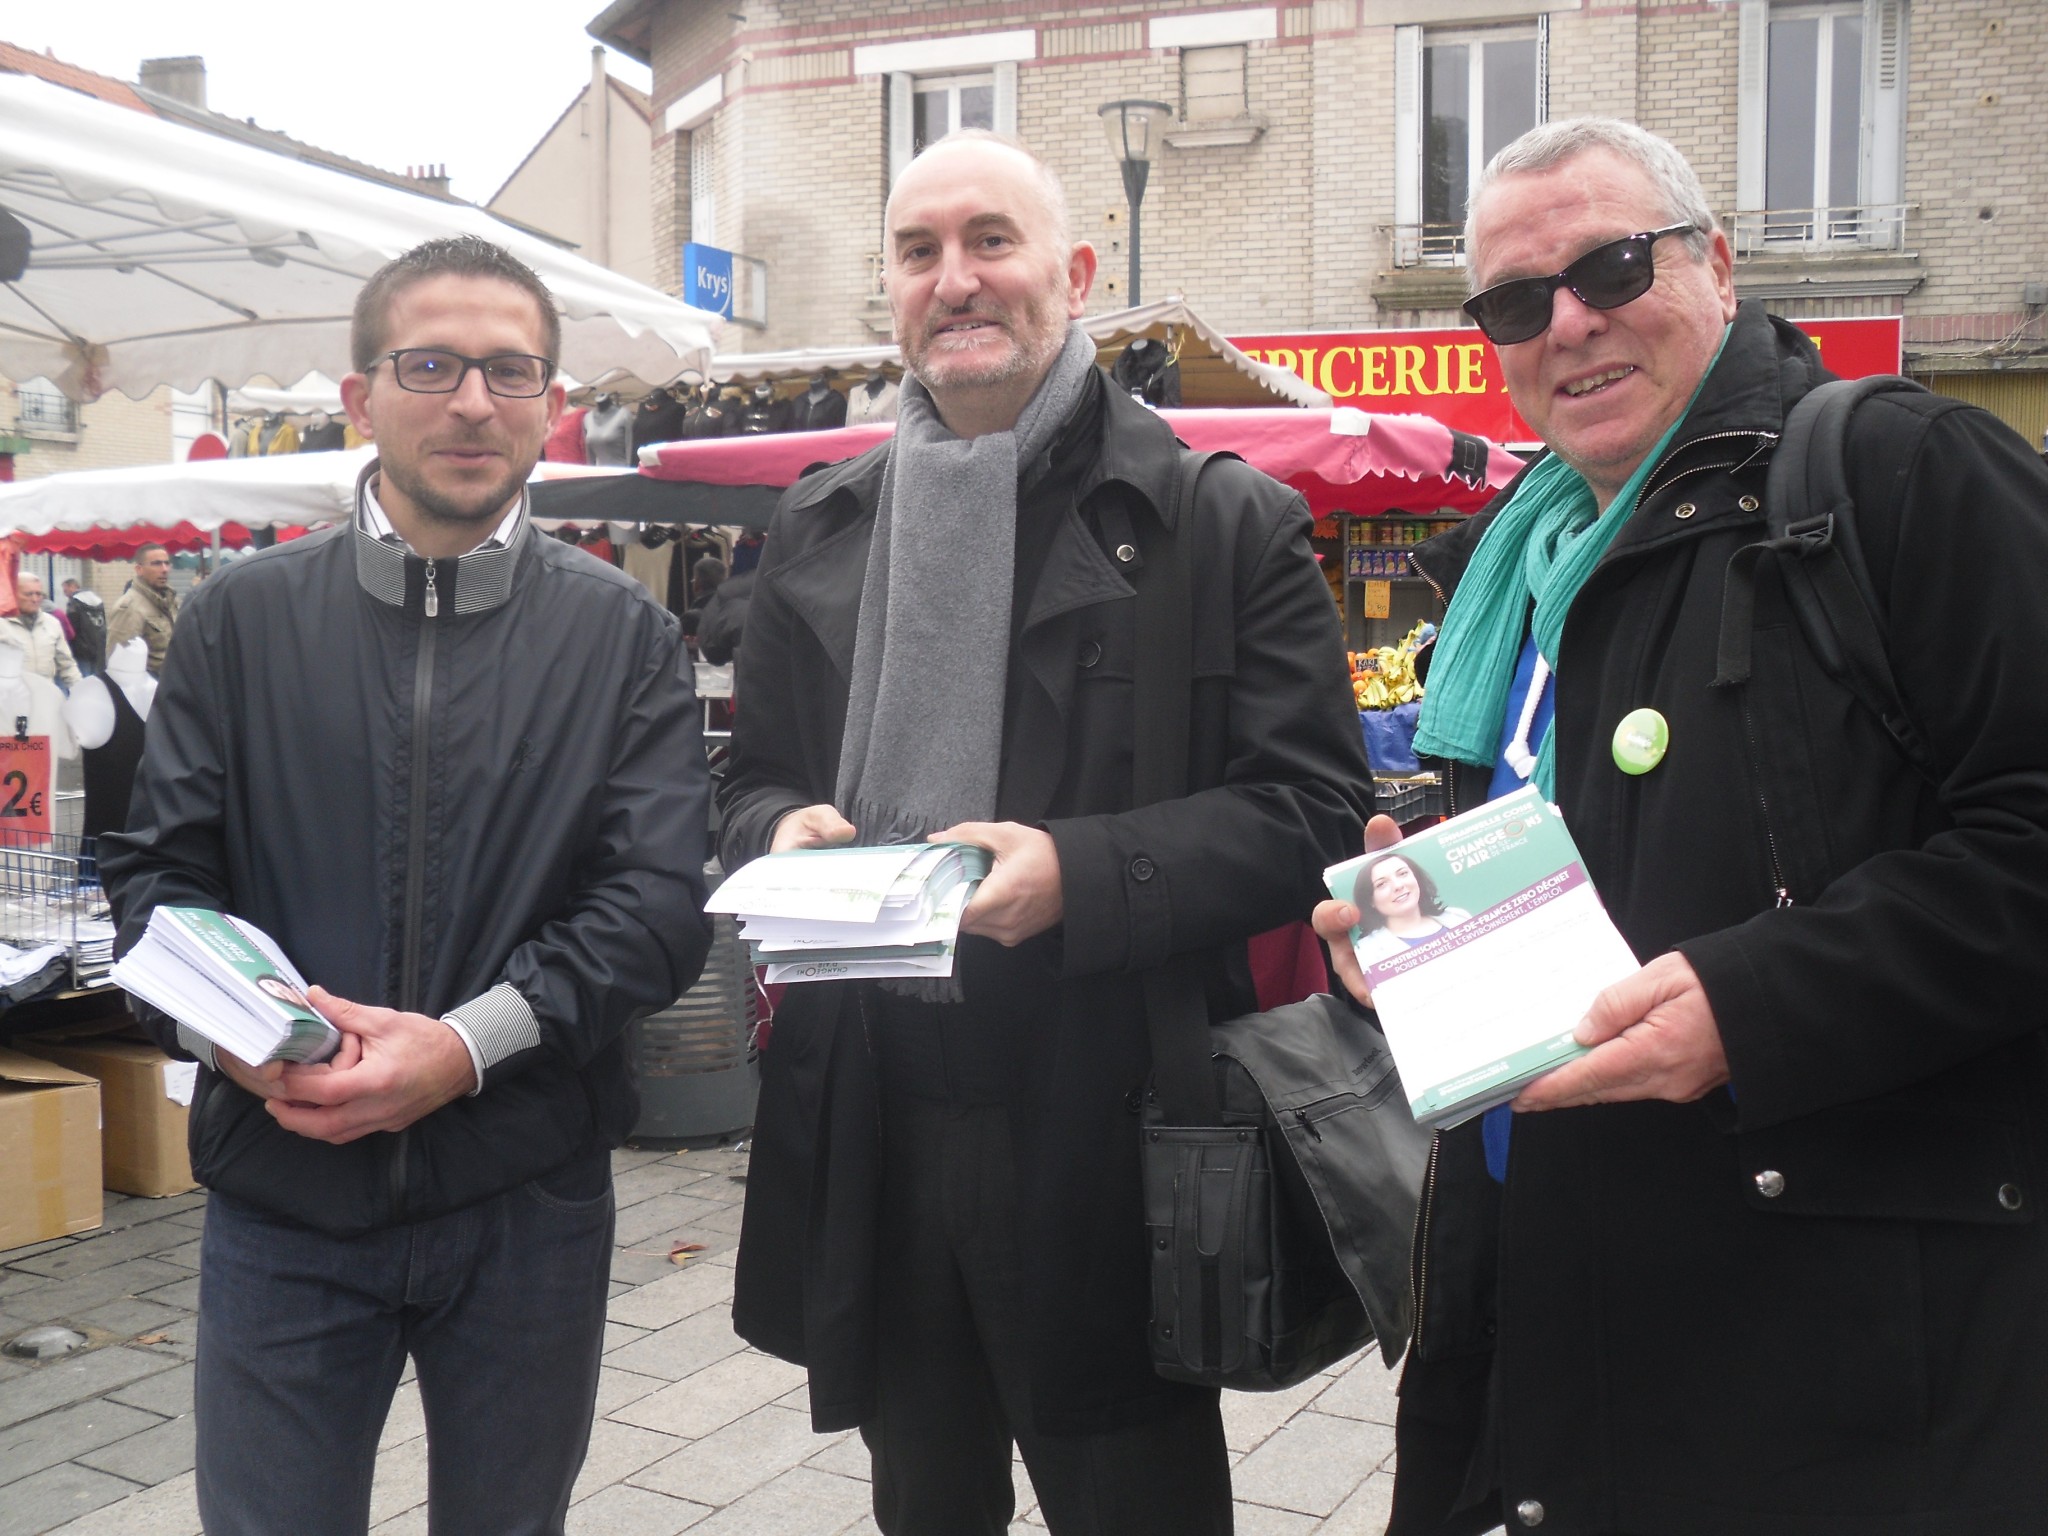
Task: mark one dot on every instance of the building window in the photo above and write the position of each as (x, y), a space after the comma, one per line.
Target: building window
(1459, 98)
(45, 410)
(1820, 125)
(1212, 84)
(925, 108)
(703, 190)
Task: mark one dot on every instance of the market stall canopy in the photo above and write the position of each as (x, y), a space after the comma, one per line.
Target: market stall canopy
(1340, 460)
(315, 392)
(159, 254)
(1212, 371)
(167, 503)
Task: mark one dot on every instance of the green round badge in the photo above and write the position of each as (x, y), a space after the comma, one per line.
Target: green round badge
(1640, 741)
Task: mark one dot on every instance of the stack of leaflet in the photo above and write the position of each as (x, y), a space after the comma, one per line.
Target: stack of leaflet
(829, 914)
(226, 979)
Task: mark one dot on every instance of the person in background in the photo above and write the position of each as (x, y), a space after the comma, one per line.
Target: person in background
(87, 616)
(1768, 1259)
(61, 612)
(34, 629)
(148, 609)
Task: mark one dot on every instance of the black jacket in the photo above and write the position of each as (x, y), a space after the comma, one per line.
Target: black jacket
(1682, 1345)
(420, 811)
(1282, 790)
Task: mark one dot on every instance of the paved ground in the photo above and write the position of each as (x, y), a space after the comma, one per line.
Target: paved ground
(694, 1432)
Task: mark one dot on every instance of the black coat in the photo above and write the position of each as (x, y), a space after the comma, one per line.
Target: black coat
(1682, 1346)
(1282, 788)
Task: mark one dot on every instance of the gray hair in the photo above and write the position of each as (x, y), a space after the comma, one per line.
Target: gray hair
(1051, 190)
(1549, 145)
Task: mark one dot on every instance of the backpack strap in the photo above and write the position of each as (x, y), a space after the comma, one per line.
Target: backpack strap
(1809, 518)
(1162, 680)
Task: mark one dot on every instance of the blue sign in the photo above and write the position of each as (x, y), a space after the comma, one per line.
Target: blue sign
(707, 278)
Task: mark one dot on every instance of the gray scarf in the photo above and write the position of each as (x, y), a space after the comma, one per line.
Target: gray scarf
(924, 709)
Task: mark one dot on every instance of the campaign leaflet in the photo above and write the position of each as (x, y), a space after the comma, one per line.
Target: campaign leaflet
(1484, 942)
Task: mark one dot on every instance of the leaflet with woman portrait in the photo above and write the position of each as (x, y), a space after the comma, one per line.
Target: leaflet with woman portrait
(1484, 943)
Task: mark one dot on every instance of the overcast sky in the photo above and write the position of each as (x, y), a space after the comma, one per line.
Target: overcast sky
(393, 82)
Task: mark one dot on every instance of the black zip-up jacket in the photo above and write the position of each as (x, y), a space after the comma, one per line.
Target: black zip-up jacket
(473, 786)
(1811, 1302)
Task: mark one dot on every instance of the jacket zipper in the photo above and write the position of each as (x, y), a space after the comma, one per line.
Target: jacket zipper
(1418, 1272)
(416, 852)
(1657, 485)
(1779, 889)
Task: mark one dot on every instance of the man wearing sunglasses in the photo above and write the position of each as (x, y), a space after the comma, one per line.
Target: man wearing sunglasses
(453, 767)
(1766, 1259)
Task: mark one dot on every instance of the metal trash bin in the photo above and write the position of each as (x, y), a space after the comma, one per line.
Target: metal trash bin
(696, 1082)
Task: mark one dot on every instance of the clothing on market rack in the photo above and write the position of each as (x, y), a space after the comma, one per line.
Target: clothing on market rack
(658, 420)
(278, 435)
(819, 408)
(647, 560)
(1149, 370)
(565, 445)
(323, 434)
(764, 412)
(873, 399)
(608, 432)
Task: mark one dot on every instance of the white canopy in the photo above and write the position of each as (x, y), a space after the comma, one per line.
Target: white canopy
(1213, 372)
(163, 254)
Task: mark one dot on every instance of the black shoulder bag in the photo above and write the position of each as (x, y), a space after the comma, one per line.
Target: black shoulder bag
(1281, 1166)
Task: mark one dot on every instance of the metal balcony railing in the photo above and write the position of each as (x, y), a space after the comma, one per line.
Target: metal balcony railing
(1427, 245)
(1842, 231)
(43, 409)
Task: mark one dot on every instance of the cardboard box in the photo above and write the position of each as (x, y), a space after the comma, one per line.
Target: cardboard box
(49, 1150)
(144, 1109)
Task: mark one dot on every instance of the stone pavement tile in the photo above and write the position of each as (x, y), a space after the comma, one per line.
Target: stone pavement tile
(52, 1299)
(412, 1523)
(617, 1388)
(663, 1178)
(731, 1462)
(30, 1250)
(632, 1267)
(184, 1254)
(401, 1480)
(629, 1157)
(1367, 1511)
(798, 1503)
(1249, 1417)
(1258, 1520)
(97, 1250)
(407, 1419)
(616, 1452)
(683, 1348)
(152, 1457)
(168, 1509)
(74, 1378)
(168, 1392)
(49, 1438)
(847, 1457)
(1312, 1465)
(622, 1510)
(193, 1219)
(725, 1218)
(128, 1317)
(184, 1292)
(1366, 1391)
(616, 1334)
(712, 1398)
(658, 1214)
(135, 1210)
(674, 1296)
(56, 1495)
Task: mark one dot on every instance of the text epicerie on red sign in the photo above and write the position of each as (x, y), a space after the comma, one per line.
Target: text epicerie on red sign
(1454, 376)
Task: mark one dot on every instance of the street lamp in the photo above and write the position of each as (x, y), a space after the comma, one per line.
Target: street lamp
(1133, 126)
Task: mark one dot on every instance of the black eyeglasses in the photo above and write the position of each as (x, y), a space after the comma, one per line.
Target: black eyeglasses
(1606, 277)
(431, 371)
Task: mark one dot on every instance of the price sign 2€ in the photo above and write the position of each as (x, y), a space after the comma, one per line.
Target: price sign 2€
(24, 789)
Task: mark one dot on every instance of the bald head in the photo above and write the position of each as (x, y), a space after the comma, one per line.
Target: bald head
(28, 595)
(940, 160)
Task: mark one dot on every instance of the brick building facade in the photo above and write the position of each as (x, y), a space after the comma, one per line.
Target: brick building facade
(1873, 157)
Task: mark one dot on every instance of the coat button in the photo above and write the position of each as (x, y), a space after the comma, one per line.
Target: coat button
(1684, 509)
(1529, 1512)
(1142, 868)
(1748, 503)
(2009, 1197)
(1770, 1183)
(1126, 553)
(1091, 653)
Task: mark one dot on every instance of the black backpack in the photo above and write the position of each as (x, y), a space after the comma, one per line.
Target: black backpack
(1810, 529)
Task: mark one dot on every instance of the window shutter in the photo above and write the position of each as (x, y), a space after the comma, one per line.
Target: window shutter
(902, 124)
(1752, 91)
(1408, 125)
(1884, 71)
(1006, 97)
(1212, 83)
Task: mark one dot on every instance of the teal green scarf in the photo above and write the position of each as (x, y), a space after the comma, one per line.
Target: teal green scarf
(1543, 545)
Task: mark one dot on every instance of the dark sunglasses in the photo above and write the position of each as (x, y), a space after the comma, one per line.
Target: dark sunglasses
(433, 371)
(1606, 277)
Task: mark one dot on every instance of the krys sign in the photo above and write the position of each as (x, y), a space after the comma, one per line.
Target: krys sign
(1455, 377)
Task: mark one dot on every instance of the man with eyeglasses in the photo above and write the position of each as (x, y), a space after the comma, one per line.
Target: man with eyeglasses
(1766, 1259)
(453, 767)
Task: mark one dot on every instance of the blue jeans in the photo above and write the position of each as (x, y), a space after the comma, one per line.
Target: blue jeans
(303, 1336)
